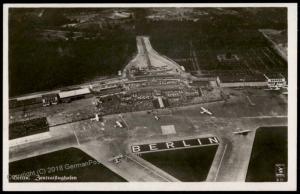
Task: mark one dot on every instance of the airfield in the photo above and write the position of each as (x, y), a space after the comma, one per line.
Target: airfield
(224, 116)
(246, 109)
(155, 101)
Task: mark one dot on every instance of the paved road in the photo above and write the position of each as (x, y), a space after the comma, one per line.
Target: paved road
(129, 168)
(147, 57)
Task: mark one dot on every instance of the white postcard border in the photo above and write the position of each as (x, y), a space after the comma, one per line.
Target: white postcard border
(157, 186)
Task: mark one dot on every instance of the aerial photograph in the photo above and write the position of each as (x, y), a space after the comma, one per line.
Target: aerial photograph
(147, 94)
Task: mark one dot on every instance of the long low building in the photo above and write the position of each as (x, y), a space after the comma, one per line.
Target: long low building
(240, 80)
(67, 96)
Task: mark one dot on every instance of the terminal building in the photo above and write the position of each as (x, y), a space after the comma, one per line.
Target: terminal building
(275, 80)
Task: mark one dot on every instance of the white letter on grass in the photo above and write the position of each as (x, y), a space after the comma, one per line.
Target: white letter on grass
(153, 147)
(170, 144)
(136, 149)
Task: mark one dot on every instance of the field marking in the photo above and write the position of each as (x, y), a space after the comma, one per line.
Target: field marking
(275, 56)
(250, 101)
(121, 117)
(193, 57)
(257, 56)
(76, 137)
(269, 58)
(220, 163)
(151, 170)
(177, 148)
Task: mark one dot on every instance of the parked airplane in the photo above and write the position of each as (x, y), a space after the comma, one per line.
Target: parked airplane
(276, 88)
(119, 124)
(96, 118)
(116, 159)
(204, 110)
(242, 132)
(273, 88)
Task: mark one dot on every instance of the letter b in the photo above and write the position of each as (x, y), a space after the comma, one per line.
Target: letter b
(135, 149)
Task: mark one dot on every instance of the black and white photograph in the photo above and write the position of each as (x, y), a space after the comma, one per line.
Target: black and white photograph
(150, 96)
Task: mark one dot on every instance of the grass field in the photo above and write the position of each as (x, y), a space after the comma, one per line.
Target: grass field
(59, 63)
(269, 149)
(28, 127)
(188, 165)
(71, 161)
(255, 58)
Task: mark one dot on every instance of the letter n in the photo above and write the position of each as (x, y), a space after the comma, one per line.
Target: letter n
(213, 140)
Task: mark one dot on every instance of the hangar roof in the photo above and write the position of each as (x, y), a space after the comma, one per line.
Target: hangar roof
(71, 93)
(230, 78)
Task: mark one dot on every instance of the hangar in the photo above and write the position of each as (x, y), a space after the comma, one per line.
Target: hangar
(68, 96)
(241, 80)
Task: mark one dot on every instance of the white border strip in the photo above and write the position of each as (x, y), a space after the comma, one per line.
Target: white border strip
(203, 186)
(145, 5)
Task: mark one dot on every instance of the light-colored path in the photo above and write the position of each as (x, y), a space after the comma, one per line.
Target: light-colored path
(147, 57)
(129, 167)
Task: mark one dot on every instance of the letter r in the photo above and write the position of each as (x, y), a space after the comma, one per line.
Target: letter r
(170, 145)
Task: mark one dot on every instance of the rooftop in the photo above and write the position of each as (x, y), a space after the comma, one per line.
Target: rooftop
(273, 75)
(52, 95)
(241, 78)
(71, 93)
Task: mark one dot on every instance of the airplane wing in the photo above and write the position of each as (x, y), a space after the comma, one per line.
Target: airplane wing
(204, 110)
(116, 157)
(241, 132)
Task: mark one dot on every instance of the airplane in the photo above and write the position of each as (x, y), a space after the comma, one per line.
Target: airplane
(116, 159)
(96, 118)
(204, 110)
(243, 132)
(273, 88)
(119, 124)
